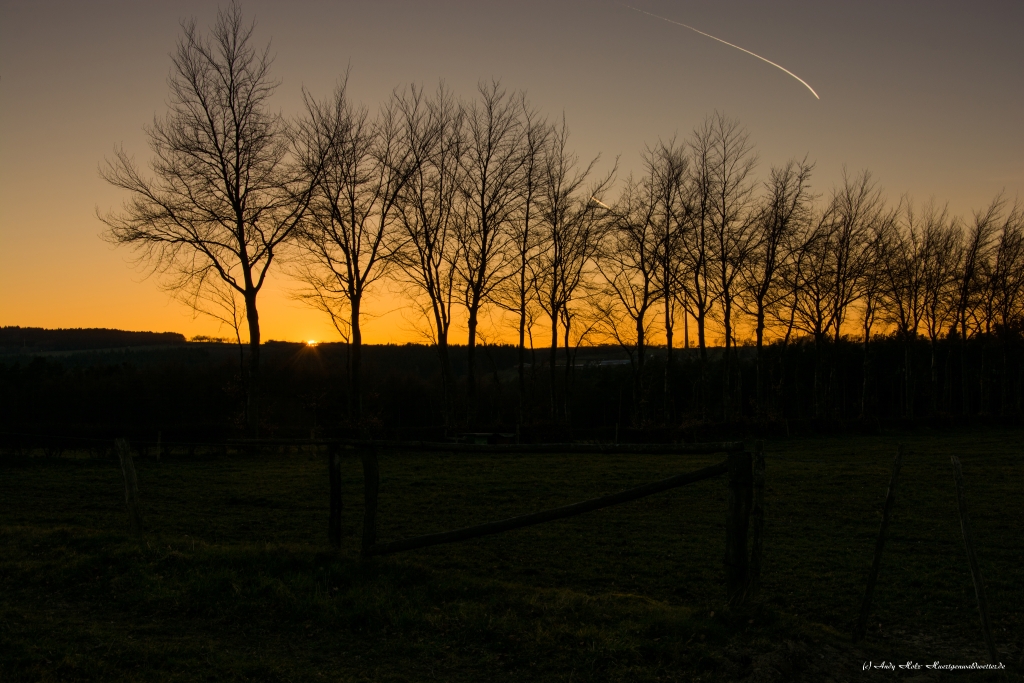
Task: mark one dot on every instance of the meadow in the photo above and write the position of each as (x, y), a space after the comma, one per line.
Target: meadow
(234, 579)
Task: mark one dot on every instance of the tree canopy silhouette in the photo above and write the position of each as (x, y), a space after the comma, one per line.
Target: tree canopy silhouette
(223, 196)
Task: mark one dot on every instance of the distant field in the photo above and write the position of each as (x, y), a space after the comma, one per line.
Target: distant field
(234, 579)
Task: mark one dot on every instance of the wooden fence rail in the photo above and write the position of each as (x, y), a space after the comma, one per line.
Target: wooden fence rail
(546, 515)
(739, 465)
(500, 449)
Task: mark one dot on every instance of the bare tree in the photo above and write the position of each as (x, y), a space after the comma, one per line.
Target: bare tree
(518, 292)
(900, 270)
(858, 209)
(1004, 291)
(780, 222)
(835, 267)
(627, 263)
(788, 303)
(570, 233)
(222, 198)
(492, 162)
(666, 168)
(579, 322)
(810, 291)
(697, 246)
(732, 162)
(1007, 274)
(349, 228)
(969, 283)
(942, 248)
(430, 253)
(871, 293)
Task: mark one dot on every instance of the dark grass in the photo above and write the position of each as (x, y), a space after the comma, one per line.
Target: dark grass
(234, 579)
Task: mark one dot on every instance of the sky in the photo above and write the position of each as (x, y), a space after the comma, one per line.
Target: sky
(927, 96)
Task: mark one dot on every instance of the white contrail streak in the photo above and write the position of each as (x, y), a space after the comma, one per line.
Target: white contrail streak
(679, 23)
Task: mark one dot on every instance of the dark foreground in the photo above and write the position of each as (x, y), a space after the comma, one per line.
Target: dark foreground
(234, 579)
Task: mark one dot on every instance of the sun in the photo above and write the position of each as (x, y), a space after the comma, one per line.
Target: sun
(312, 342)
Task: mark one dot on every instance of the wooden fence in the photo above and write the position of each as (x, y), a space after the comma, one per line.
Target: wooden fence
(744, 465)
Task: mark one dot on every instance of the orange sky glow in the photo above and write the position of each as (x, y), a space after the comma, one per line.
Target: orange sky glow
(926, 97)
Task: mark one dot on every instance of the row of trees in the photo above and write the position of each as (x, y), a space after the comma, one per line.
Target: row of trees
(470, 205)
(463, 205)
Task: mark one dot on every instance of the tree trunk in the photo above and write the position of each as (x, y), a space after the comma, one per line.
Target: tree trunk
(252, 417)
(522, 360)
(355, 398)
(667, 398)
(908, 377)
(1020, 386)
(779, 391)
(1004, 380)
(567, 391)
(471, 362)
(701, 342)
(982, 388)
(964, 383)
(833, 404)
(686, 325)
(727, 360)
(446, 376)
(638, 389)
(865, 391)
(947, 384)
(934, 375)
(759, 362)
(818, 362)
(553, 361)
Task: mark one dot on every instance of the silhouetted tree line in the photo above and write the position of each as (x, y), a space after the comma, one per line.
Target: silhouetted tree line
(15, 339)
(480, 205)
(194, 395)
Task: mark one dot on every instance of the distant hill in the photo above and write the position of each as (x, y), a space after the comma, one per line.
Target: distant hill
(39, 340)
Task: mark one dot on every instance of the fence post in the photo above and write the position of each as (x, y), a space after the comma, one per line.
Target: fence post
(371, 484)
(736, 524)
(334, 473)
(979, 585)
(131, 486)
(876, 563)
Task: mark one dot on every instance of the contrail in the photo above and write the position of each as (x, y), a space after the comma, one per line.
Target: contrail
(679, 23)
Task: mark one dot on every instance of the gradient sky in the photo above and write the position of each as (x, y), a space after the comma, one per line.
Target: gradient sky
(929, 96)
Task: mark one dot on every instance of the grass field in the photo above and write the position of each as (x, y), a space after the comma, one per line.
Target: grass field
(234, 579)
